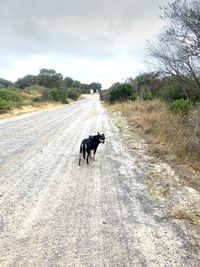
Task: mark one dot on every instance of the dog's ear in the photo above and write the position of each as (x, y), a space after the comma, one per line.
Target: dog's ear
(98, 133)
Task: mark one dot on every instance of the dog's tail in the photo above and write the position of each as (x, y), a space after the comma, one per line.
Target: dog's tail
(83, 148)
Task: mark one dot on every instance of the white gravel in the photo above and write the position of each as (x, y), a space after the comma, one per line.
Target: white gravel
(55, 213)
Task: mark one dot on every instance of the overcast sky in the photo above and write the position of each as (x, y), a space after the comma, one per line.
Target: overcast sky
(89, 40)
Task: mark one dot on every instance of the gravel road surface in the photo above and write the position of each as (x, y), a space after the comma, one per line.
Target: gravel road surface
(55, 213)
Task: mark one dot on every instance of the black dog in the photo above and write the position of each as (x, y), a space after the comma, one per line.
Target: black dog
(90, 144)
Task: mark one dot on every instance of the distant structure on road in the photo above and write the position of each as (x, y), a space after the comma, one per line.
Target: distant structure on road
(94, 91)
(95, 88)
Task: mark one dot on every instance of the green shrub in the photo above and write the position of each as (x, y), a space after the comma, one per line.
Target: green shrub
(180, 106)
(10, 99)
(46, 95)
(133, 97)
(148, 96)
(5, 105)
(104, 95)
(37, 99)
(120, 92)
(59, 95)
(73, 93)
(10, 95)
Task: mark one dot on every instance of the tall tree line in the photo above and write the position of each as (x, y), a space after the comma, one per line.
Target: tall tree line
(49, 78)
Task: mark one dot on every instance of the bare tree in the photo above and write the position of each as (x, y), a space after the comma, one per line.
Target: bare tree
(178, 50)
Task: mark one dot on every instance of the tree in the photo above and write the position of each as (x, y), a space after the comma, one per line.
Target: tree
(76, 84)
(178, 51)
(85, 88)
(146, 84)
(68, 82)
(170, 89)
(26, 81)
(5, 83)
(96, 87)
(50, 78)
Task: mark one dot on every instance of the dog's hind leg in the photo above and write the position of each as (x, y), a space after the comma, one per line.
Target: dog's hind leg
(88, 154)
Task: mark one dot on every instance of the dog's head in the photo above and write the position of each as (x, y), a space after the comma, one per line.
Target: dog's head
(101, 137)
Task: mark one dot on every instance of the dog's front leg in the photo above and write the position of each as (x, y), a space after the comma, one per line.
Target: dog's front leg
(94, 154)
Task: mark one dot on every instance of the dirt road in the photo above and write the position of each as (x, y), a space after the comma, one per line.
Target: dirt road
(55, 213)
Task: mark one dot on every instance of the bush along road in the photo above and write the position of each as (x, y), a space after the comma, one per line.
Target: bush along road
(56, 213)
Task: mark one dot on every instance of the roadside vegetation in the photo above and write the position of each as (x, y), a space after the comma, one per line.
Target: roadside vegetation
(10, 99)
(165, 104)
(39, 90)
(171, 133)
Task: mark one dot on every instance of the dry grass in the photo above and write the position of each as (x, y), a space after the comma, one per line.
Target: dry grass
(173, 133)
(191, 217)
(29, 109)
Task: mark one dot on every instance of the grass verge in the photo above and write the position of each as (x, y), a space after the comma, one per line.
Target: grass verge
(14, 102)
(28, 109)
(173, 138)
(171, 133)
(169, 139)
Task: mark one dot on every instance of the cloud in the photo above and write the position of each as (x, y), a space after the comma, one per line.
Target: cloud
(98, 30)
